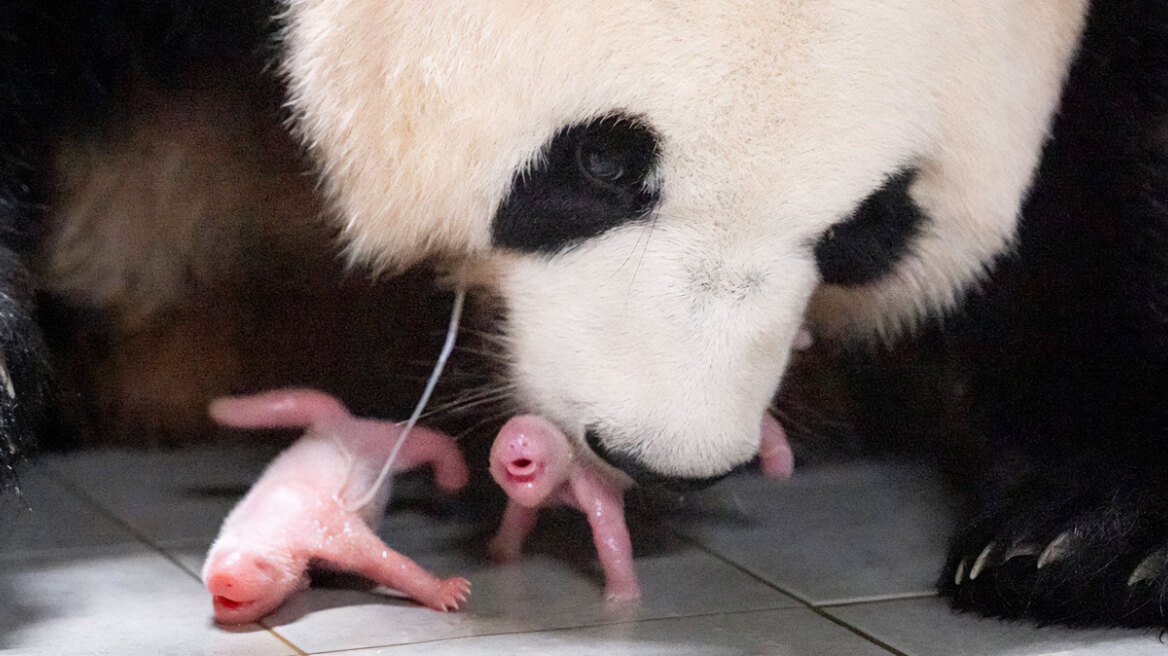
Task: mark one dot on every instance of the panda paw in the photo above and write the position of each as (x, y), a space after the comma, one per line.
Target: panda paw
(1065, 554)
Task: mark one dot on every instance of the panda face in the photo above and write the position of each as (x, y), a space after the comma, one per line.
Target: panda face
(662, 193)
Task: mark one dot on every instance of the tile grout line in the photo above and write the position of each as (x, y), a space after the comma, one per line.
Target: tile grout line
(108, 513)
(81, 493)
(298, 650)
(742, 568)
(822, 612)
(857, 631)
(557, 629)
(907, 596)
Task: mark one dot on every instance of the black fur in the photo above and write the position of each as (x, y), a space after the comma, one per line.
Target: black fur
(592, 177)
(645, 477)
(869, 243)
(1072, 346)
(31, 74)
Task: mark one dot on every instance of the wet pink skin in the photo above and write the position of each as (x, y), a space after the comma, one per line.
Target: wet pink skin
(535, 465)
(775, 458)
(303, 510)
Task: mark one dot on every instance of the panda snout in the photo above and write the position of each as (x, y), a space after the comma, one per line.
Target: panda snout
(642, 474)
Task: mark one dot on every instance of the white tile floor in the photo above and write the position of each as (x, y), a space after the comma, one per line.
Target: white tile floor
(838, 561)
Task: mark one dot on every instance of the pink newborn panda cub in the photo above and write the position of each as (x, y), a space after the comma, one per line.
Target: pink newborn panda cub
(536, 465)
(314, 506)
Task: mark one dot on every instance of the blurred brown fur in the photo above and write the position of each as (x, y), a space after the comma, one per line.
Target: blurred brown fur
(186, 257)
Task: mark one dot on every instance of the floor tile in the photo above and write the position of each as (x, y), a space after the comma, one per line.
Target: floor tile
(927, 627)
(833, 534)
(117, 601)
(48, 517)
(167, 495)
(778, 633)
(829, 535)
(545, 590)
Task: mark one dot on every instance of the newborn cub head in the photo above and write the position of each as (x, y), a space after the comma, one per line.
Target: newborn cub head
(663, 193)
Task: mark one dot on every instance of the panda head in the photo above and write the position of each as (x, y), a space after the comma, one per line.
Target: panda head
(662, 193)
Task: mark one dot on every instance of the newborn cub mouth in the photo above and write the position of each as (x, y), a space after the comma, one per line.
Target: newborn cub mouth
(229, 604)
(522, 470)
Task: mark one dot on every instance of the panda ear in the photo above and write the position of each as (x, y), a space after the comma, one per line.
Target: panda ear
(993, 116)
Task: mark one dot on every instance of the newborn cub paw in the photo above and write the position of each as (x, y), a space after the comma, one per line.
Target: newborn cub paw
(451, 593)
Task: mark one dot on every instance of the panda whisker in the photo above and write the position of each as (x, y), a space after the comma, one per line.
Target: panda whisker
(457, 408)
(640, 235)
(468, 400)
(643, 238)
(471, 399)
(493, 336)
(495, 341)
(471, 375)
(490, 388)
(644, 250)
(493, 356)
(504, 413)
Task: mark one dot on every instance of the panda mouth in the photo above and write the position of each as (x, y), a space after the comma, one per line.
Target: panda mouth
(644, 476)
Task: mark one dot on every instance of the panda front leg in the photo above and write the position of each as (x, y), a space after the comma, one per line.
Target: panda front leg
(24, 362)
(40, 82)
(24, 359)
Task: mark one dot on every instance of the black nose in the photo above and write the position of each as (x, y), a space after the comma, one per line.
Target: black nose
(644, 476)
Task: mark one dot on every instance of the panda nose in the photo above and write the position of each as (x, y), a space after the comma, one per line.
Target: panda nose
(643, 475)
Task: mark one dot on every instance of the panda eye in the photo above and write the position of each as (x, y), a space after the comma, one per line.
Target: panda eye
(590, 178)
(600, 165)
(612, 152)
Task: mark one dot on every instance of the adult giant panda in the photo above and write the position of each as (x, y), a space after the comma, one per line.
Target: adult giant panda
(662, 193)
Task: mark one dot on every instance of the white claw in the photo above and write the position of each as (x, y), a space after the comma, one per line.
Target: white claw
(1056, 550)
(982, 561)
(959, 577)
(1149, 568)
(1024, 549)
(6, 378)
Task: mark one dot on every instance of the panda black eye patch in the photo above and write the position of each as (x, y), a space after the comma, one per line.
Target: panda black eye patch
(868, 244)
(591, 177)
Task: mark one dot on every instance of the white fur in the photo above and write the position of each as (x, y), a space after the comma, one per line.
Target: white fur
(776, 119)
